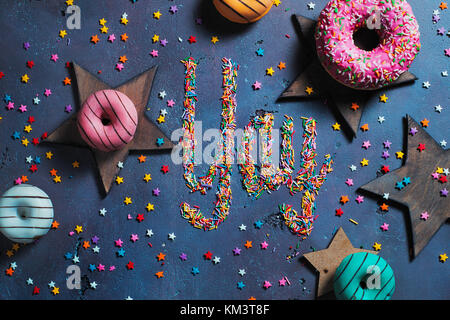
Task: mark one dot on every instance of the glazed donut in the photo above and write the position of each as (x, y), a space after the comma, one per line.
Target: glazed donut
(107, 120)
(398, 33)
(26, 213)
(357, 275)
(243, 11)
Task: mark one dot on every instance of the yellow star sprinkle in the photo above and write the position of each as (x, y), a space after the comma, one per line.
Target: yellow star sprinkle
(25, 78)
(336, 126)
(309, 90)
(399, 155)
(102, 21)
(376, 246)
(69, 2)
(127, 200)
(49, 155)
(104, 29)
(119, 180)
(443, 257)
(276, 2)
(147, 177)
(161, 119)
(55, 291)
(150, 207)
(439, 170)
(124, 21)
(62, 33)
(78, 229)
(364, 162)
(214, 39)
(270, 71)
(27, 128)
(157, 14)
(383, 98)
(57, 179)
(155, 38)
(25, 142)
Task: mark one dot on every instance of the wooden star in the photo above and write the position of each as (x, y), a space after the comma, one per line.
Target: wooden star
(138, 90)
(327, 260)
(341, 98)
(423, 193)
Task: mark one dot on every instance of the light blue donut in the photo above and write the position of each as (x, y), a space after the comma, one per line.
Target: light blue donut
(364, 276)
(26, 213)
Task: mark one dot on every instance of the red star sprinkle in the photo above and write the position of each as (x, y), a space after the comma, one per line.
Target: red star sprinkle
(443, 179)
(140, 217)
(36, 290)
(421, 147)
(385, 169)
(192, 40)
(33, 168)
(31, 120)
(130, 265)
(165, 169)
(339, 212)
(1, 74)
(35, 141)
(208, 255)
(30, 64)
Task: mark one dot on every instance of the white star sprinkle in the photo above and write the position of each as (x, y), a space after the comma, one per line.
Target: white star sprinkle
(426, 84)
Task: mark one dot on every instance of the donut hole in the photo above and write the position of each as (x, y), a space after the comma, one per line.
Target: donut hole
(105, 120)
(366, 39)
(22, 213)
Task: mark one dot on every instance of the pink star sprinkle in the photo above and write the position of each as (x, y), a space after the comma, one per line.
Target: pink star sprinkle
(47, 92)
(154, 53)
(256, 85)
(264, 245)
(23, 108)
(349, 182)
(385, 227)
(118, 243)
(424, 215)
(170, 103)
(267, 284)
(359, 199)
(112, 268)
(10, 105)
(282, 282)
(366, 144)
(111, 38)
(119, 66)
(54, 57)
(134, 237)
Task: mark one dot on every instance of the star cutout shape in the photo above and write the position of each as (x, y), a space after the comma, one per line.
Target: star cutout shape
(327, 260)
(138, 90)
(422, 193)
(339, 96)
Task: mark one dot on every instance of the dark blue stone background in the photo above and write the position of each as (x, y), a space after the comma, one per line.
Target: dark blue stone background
(77, 199)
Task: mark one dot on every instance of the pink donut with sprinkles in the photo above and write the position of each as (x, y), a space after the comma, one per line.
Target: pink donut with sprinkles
(397, 30)
(107, 120)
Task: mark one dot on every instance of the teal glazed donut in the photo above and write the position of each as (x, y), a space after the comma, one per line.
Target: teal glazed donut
(364, 276)
(26, 213)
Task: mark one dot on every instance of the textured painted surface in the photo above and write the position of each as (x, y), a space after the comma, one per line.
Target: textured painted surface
(77, 199)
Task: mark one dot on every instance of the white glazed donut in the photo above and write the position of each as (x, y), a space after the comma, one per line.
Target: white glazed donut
(26, 213)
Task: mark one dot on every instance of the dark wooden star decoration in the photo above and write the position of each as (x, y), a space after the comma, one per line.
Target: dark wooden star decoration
(138, 90)
(339, 97)
(326, 261)
(423, 192)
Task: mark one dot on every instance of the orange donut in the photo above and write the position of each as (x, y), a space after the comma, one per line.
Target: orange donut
(243, 11)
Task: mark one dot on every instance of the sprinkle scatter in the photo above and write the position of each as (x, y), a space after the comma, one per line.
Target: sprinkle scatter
(271, 177)
(224, 156)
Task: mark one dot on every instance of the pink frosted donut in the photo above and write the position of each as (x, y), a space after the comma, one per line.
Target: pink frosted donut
(107, 120)
(397, 29)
